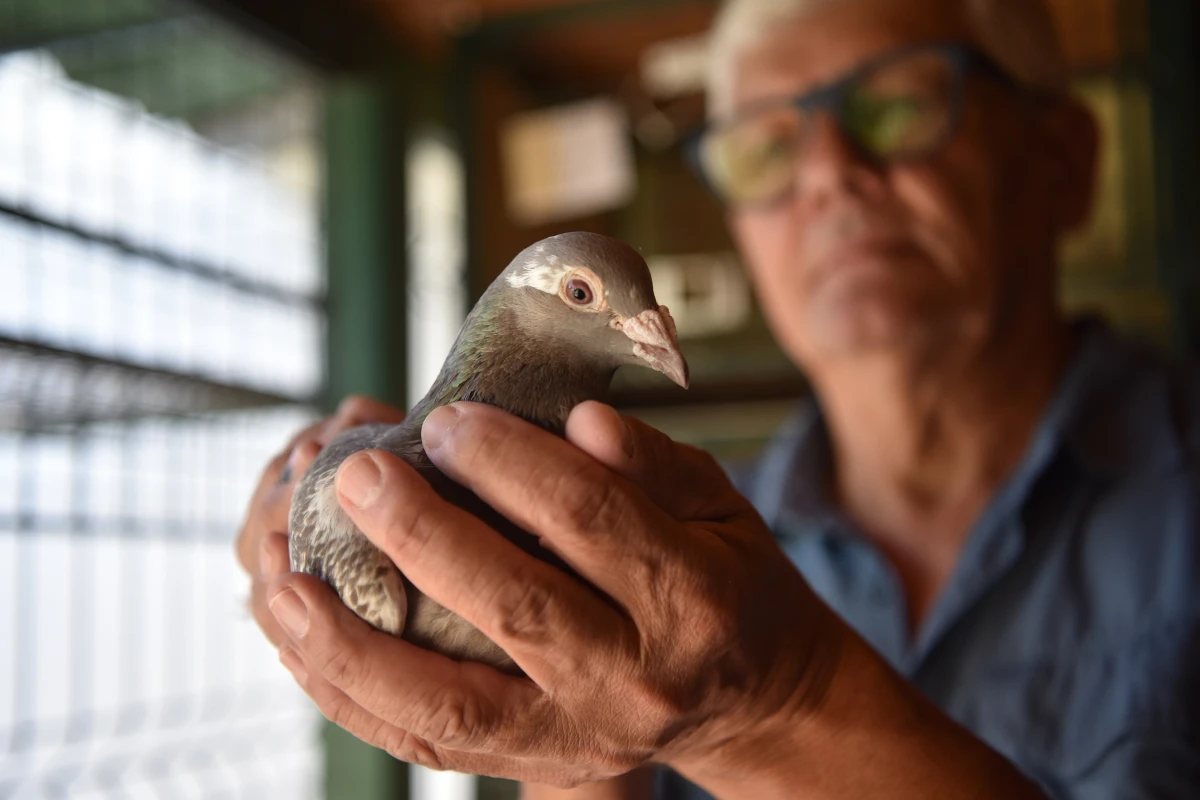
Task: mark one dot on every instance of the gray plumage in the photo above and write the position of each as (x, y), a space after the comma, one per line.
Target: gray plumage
(547, 334)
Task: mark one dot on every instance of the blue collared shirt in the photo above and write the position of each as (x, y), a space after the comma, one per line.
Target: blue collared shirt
(1068, 637)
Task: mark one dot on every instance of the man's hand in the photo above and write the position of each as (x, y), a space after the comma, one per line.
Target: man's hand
(697, 638)
(262, 542)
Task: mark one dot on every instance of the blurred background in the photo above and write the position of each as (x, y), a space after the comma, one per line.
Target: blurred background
(218, 218)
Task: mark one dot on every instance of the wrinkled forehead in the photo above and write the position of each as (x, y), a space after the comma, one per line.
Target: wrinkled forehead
(823, 43)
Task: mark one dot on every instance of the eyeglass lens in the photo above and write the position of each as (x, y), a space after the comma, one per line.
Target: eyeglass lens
(901, 109)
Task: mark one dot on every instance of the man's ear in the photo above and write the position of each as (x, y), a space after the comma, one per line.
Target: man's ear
(1075, 145)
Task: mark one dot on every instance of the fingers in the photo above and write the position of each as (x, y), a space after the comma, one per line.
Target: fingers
(261, 544)
(268, 511)
(684, 481)
(272, 562)
(267, 526)
(262, 615)
(300, 459)
(272, 498)
(339, 709)
(357, 410)
(449, 704)
(604, 527)
(547, 621)
(273, 557)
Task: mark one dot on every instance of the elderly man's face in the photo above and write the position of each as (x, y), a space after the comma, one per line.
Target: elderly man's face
(868, 258)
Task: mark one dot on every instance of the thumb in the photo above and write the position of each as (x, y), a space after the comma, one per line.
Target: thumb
(682, 480)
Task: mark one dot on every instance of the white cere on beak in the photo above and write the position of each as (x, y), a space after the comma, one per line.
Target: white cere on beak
(656, 342)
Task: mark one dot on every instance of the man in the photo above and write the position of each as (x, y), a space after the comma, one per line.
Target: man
(970, 567)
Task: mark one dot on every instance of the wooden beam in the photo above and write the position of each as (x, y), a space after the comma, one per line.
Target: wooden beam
(348, 36)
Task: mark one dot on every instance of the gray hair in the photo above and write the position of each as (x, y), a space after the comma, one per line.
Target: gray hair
(1018, 34)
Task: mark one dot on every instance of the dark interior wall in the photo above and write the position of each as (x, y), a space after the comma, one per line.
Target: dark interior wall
(496, 93)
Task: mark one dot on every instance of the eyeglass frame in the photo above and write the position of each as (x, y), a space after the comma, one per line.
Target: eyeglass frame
(830, 97)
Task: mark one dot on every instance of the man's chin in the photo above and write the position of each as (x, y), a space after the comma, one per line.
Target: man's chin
(868, 328)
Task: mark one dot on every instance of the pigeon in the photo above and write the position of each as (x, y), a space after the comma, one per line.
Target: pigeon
(547, 334)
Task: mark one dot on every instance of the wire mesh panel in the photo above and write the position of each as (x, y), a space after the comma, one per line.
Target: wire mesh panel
(161, 332)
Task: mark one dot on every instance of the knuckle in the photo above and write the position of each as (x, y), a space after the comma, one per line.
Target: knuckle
(352, 406)
(338, 709)
(525, 610)
(402, 745)
(576, 498)
(412, 525)
(451, 718)
(645, 573)
(711, 635)
(479, 445)
(661, 705)
(709, 611)
(342, 667)
(303, 455)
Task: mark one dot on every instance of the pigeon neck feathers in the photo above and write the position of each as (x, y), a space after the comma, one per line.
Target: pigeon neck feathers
(524, 369)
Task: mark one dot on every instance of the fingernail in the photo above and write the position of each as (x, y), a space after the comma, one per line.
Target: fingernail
(437, 425)
(628, 442)
(291, 612)
(295, 465)
(268, 566)
(359, 478)
(294, 664)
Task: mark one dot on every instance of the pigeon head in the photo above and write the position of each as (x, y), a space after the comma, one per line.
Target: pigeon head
(594, 293)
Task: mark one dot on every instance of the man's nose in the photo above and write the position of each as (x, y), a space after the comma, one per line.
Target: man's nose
(829, 164)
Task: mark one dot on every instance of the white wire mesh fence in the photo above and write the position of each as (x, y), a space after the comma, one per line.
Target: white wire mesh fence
(161, 335)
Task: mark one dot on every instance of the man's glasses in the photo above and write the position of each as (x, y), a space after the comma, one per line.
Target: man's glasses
(900, 107)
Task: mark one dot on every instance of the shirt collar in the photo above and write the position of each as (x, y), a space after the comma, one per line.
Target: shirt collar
(1109, 414)
(794, 470)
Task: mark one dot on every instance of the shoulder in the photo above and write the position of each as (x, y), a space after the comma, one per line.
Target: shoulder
(1138, 557)
(1093, 645)
(1141, 404)
(1136, 436)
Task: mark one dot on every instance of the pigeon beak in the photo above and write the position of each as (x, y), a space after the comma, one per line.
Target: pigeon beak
(656, 342)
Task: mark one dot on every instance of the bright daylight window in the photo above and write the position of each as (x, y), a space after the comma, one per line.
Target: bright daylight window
(161, 335)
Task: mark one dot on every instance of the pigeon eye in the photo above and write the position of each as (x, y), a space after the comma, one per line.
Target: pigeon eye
(579, 291)
(582, 290)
